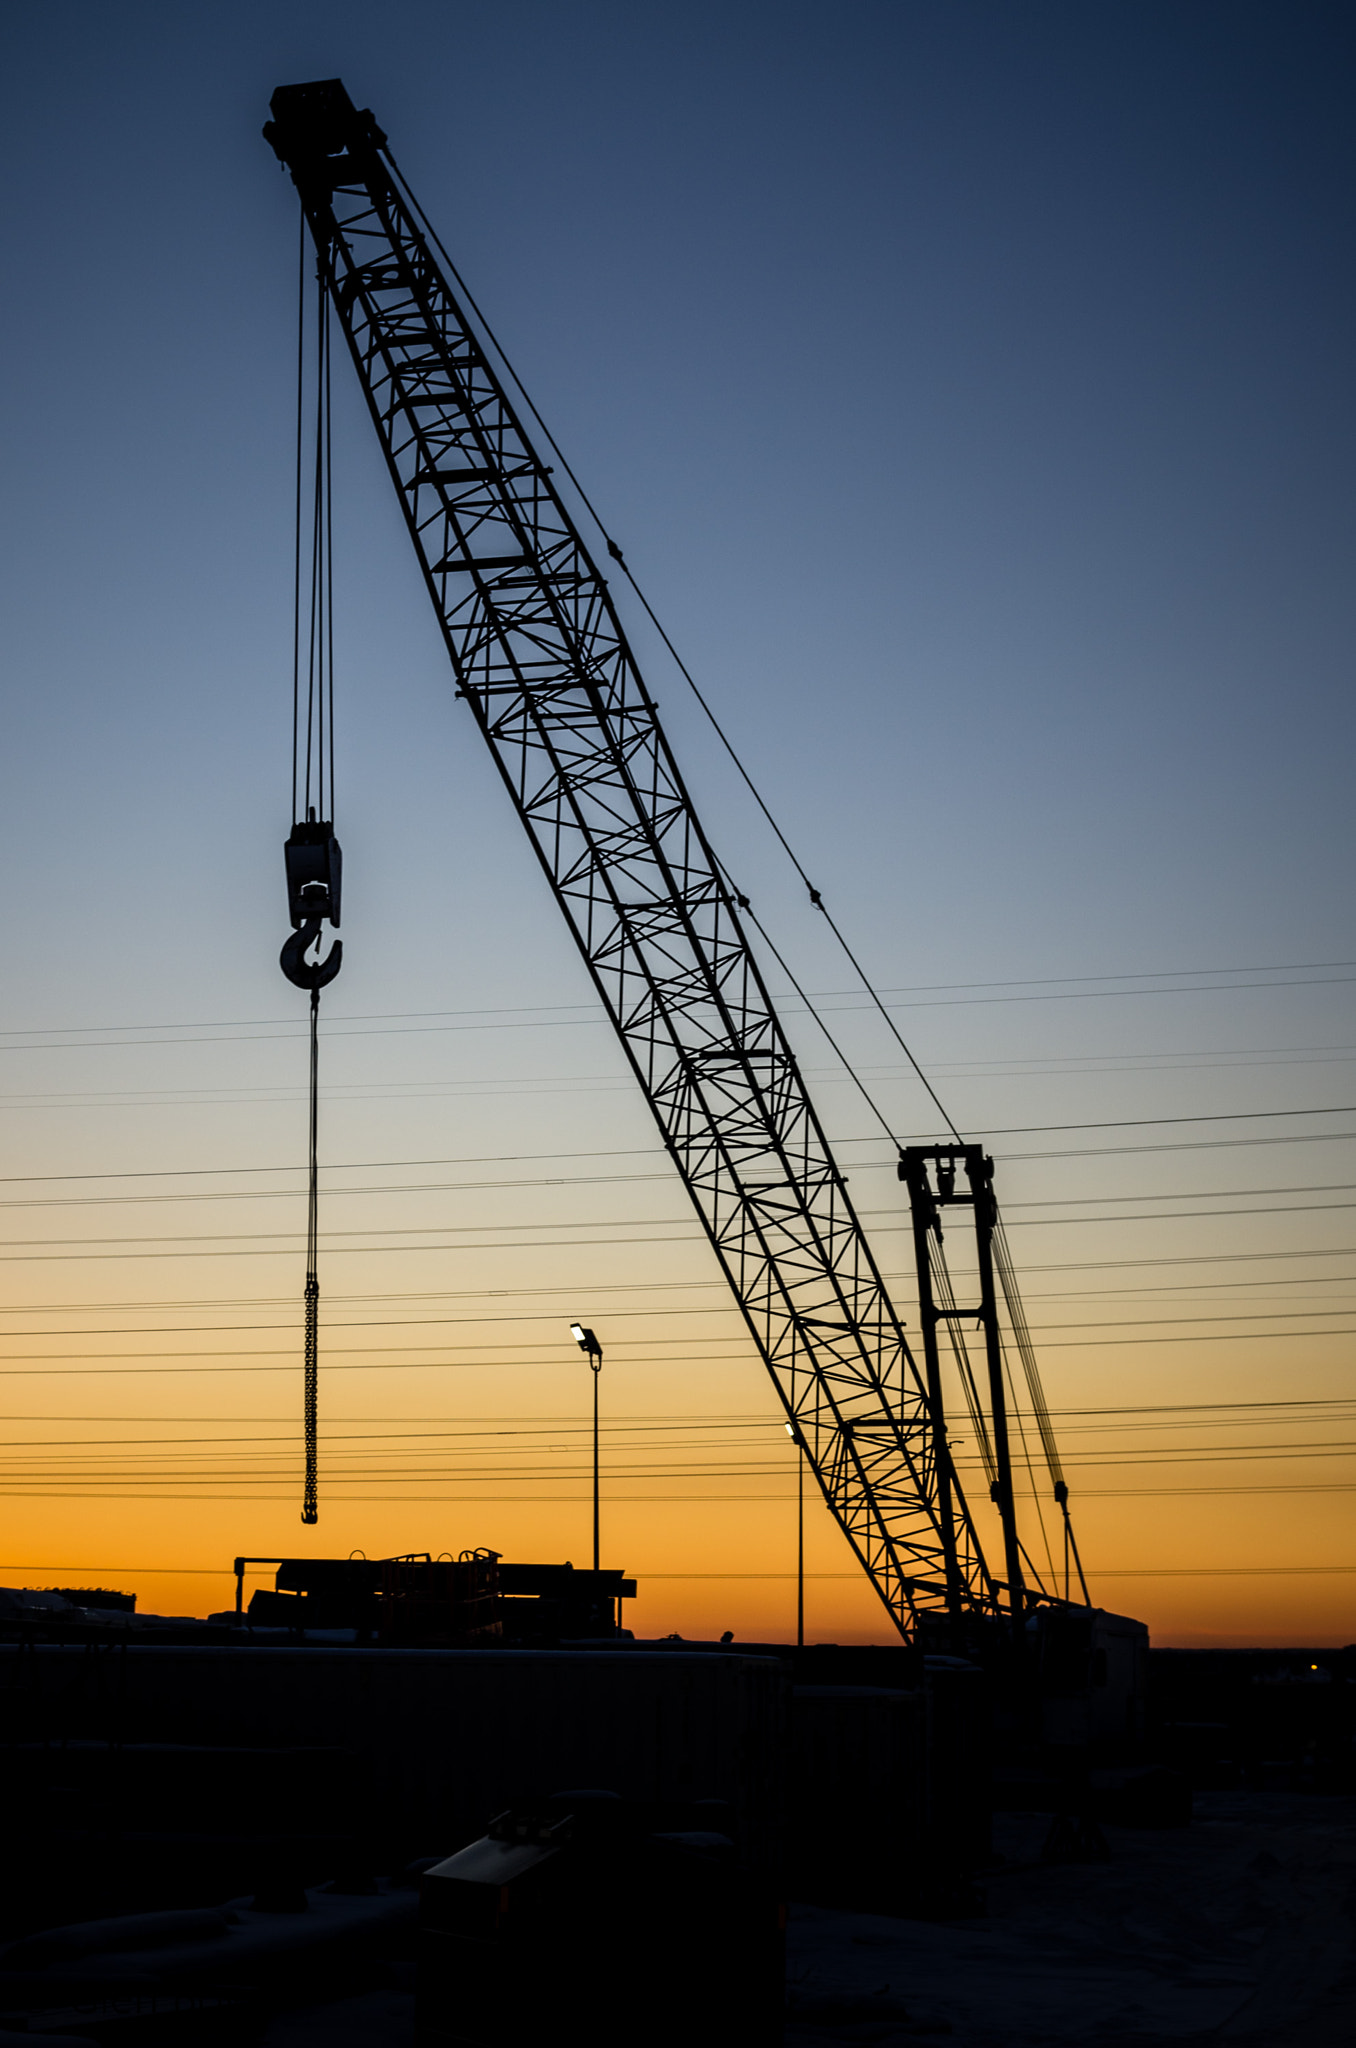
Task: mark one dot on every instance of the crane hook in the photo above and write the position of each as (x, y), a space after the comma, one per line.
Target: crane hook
(304, 973)
(314, 874)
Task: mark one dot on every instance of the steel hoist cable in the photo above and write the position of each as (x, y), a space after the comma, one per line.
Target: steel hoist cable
(313, 861)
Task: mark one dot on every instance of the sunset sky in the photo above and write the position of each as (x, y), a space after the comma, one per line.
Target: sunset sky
(970, 388)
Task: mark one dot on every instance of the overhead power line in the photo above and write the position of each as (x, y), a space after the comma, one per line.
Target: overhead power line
(582, 1180)
(468, 1236)
(656, 1151)
(512, 1425)
(671, 1351)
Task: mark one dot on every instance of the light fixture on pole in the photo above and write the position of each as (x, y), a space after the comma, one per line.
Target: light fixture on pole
(593, 1351)
(799, 1441)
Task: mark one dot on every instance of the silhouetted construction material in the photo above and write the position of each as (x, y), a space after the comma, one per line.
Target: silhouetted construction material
(437, 1741)
(415, 1599)
(463, 1601)
(593, 1918)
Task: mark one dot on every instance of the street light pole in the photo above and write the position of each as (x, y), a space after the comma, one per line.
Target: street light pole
(593, 1351)
(597, 1365)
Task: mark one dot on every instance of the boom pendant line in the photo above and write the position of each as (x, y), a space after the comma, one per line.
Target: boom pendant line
(313, 861)
(542, 660)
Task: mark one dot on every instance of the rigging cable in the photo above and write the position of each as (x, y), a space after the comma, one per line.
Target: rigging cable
(296, 545)
(848, 1068)
(1007, 1273)
(619, 558)
(312, 853)
(1016, 1410)
(1026, 1349)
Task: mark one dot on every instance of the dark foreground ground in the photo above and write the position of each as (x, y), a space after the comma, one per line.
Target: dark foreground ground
(1239, 1928)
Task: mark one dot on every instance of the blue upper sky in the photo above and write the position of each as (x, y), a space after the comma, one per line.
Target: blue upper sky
(970, 385)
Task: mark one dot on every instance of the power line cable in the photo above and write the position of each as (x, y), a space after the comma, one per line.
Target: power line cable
(1049, 1331)
(557, 1014)
(1230, 1413)
(656, 1151)
(851, 1071)
(18, 1248)
(610, 1180)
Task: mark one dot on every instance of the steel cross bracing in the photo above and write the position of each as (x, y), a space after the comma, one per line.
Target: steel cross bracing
(541, 658)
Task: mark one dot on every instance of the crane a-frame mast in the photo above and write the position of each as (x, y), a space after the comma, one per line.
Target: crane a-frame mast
(540, 656)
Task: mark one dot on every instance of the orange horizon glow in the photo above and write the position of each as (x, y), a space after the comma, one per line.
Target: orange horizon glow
(704, 1565)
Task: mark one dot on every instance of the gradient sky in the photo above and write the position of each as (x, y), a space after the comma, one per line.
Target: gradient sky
(969, 386)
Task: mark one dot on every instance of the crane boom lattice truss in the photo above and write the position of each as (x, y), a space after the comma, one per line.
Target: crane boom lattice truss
(540, 656)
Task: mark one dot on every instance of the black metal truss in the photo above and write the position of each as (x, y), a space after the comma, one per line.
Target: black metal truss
(541, 658)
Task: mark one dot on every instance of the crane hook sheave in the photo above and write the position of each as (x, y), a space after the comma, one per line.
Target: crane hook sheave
(315, 870)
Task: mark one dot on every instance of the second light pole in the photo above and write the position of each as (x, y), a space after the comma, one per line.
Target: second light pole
(593, 1351)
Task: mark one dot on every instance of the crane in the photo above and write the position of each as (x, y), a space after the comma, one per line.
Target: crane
(542, 659)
